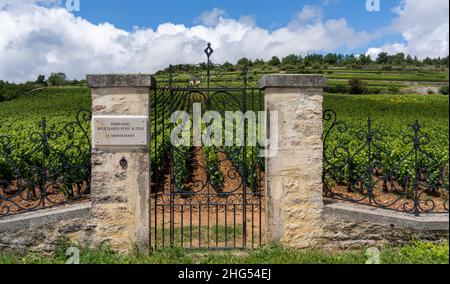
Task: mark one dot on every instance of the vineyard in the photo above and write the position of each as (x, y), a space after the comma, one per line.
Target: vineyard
(209, 194)
(226, 181)
(44, 160)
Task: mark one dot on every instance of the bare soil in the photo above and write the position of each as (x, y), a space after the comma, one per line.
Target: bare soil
(16, 199)
(395, 199)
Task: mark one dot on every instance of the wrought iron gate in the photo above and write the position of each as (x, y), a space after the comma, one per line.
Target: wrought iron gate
(205, 196)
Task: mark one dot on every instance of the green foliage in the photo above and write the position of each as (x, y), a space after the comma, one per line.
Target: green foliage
(244, 62)
(275, 61)
(57, 79)
(417, 252)
(291, 60)
(357, 86)
(21, 117)
(444, 90)
(10, 91)
(414, 253)
(392, 116)
(212, 167)
(181, 167)
(40, 79)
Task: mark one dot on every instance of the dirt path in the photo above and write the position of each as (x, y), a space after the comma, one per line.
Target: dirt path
(222, 213)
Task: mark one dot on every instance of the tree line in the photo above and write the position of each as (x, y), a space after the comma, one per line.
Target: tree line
(318, 61)
(333, 59)
(10, 91)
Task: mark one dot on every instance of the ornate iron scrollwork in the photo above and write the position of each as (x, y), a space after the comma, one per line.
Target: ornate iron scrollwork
(56, 170)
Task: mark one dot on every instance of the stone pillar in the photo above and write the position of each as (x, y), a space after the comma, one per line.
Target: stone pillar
(294, 174)
(121, 167)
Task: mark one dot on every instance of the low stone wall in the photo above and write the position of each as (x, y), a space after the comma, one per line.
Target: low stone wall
(42, 231)
(348, 226)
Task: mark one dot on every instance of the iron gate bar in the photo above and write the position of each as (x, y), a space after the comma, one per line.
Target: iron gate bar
(206, 200)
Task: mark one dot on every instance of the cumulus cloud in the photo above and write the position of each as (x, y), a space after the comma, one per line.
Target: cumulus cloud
(424, 26)
(210, 18)
(36, 39)
(388, 48)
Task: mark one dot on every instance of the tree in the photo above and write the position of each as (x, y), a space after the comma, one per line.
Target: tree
(291, 59)
(228, 66)
(428, 61)
(365, 59)
(331, 59)
(398, 59)
(275, 61)
(259, 62)
(40, 79)
(244, 61)
(57, 79)
(383, 58)
(350, 60)
(409, 60)
(444, 61)
(313, 59)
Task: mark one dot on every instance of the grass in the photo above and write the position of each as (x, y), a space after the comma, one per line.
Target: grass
(414, 253)
(183, 235)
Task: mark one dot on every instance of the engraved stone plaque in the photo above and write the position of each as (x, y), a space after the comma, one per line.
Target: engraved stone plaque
(120, 131)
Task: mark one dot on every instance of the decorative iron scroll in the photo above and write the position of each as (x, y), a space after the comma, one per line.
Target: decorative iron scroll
(201, 188)
(56, 170)
(205, 75)
(367, 174)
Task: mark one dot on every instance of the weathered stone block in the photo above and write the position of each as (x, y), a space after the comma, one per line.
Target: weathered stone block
(121, 194)
(294, 175)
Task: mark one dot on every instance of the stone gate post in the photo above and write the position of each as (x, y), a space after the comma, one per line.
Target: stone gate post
(121, 160)
(294, 174)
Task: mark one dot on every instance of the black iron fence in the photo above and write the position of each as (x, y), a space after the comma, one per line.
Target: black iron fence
(52, 167)
(360, 167)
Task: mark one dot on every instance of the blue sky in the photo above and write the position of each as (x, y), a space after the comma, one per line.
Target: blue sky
(129, 36)
(269, 14)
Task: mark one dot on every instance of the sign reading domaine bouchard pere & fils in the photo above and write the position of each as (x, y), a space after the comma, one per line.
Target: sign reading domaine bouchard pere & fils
(120, 131)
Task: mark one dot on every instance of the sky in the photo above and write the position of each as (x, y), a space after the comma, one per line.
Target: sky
(137, 36)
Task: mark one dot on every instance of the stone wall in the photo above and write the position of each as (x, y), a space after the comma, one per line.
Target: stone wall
(119, 212)
(297, 215)
(121, 192)
(349, 226)
(294, 174)
(343, 226)
(43, 231)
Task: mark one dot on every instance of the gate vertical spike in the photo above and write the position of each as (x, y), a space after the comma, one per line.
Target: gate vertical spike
(209, 201)
(172, 177)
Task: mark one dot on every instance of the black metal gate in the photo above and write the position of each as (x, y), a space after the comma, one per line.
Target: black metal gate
(206, 196)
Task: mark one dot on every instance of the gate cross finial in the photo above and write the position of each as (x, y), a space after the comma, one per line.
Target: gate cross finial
(209, 51)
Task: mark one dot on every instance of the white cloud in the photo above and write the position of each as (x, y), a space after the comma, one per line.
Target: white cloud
(424, 26)
(309, 14)
(40, 40)
(388, 48)
(210, 18)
